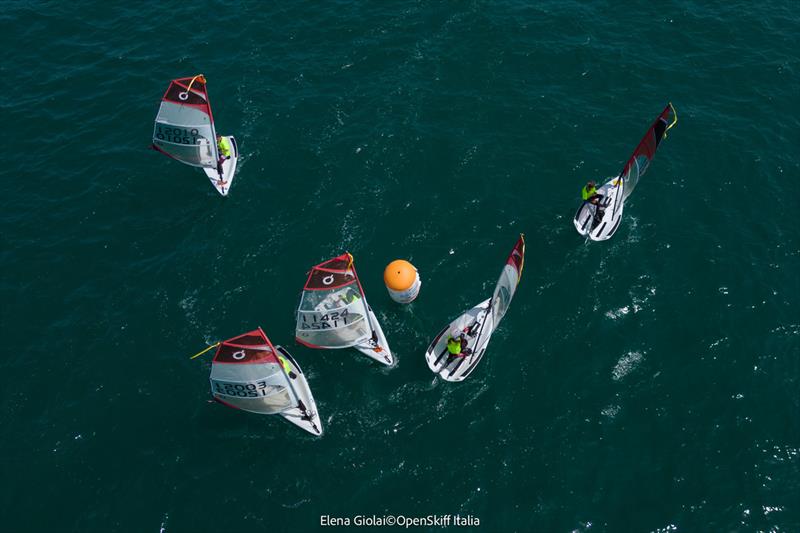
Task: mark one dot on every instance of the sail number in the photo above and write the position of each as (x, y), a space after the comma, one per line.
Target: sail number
(177, 135)
(326, 321)
(245, 390)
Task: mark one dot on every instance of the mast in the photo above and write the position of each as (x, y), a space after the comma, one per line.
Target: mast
(300, 404)
(645, 151)
(215, 148)
(352, 266)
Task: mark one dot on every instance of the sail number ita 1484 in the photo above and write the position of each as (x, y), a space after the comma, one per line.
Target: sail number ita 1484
(177, 135)
(245, 390)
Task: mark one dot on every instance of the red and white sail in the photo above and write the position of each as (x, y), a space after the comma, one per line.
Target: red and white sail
(247, 374)
(184, 127)
(333, 312)
(509, 279)
(644, 153)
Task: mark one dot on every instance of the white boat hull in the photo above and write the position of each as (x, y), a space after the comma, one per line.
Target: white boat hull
(477, 325)
(223, 185)
(601, 228)
(309, 419)
(379, 351)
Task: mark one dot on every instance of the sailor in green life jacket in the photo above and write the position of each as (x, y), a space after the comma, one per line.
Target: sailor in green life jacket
(224, 149)
(589, 193)
(286, 366)
(350, 296)
(455, 347)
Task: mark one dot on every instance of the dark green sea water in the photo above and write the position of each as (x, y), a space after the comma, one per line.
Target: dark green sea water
(649, 383)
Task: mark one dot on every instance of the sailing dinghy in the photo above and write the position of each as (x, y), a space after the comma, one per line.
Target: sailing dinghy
(475, 327)
(251, 374)
(184, 130)
(334, 313)
(599, 222)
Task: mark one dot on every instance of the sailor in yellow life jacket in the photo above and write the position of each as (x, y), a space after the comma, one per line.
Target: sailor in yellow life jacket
(224, 149)
(286, 366)
(352, 296)
(589, 193)
(454, 347)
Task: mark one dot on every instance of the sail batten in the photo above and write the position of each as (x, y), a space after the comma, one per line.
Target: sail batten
(181, 125)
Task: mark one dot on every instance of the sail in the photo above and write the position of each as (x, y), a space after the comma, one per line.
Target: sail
(639, 161)
(184, 128)
(332, 311)
(246, 374)
(509, 279)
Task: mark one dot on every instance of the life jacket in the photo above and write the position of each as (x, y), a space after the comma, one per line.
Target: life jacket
(224, 147)
(285, 364)
(588, 193)
(454, 346)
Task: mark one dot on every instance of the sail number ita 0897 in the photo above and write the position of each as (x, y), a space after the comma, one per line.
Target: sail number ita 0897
(177, 135)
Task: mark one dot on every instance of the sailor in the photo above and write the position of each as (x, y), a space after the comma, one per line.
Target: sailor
(350, 296)
(286, 366)
(589, 193)
(224, 149)
(454, 346)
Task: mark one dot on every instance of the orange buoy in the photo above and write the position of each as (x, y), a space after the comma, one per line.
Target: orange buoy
(402, 281)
